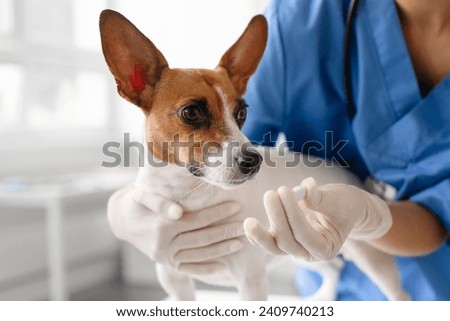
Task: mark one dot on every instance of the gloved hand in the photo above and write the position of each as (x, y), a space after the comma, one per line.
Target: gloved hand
(189, 242)
(315, 227)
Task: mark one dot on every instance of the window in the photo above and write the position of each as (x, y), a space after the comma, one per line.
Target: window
(6, 17)
(52, 75)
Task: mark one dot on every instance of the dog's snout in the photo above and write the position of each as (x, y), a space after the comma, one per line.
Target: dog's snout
(249, 162)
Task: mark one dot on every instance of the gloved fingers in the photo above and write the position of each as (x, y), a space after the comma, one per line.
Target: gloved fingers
(206, 268)
(158, 204)
(139, 220)
(300, 192)
(208, 235)
(257, 234)
(208, 216)
(283, 231)
(115, 214)
(207, 253)
(313, 240)
(315, 198)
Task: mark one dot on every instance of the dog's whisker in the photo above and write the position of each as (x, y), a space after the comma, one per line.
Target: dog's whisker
(201, 183)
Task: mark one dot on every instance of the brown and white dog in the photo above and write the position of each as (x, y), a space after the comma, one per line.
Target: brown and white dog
(188, 109)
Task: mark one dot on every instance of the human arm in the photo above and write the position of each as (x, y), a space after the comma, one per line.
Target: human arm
(415, 231)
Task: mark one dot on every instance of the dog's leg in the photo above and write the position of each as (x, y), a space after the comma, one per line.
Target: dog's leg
(178, 286)
(253, 287)
(251, 282)
(380, 267)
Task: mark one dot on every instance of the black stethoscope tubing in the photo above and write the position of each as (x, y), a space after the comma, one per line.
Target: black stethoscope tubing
(351, 13)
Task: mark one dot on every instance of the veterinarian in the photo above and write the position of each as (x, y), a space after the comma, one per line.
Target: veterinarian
(399, 132)
(387, 97)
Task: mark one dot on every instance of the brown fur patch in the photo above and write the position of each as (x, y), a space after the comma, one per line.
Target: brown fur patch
(176, 88)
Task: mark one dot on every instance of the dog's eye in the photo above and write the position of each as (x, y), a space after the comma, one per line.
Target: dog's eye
(195, 113)
(241, 114)
(191, 113)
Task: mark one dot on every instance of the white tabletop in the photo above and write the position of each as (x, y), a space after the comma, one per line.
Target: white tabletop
(36, 191)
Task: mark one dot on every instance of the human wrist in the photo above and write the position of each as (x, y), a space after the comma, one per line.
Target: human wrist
(375, 221)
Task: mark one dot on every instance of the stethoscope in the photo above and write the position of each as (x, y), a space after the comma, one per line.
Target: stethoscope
(387, 191)
(351, 13)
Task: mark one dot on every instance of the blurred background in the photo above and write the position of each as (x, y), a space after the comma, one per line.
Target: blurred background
(58, 107)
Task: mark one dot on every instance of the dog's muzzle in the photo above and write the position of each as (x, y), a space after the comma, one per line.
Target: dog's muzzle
(196, 170)
(248, 161)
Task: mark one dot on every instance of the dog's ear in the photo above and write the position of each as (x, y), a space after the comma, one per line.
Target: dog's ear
(135, 62)
(241, 60)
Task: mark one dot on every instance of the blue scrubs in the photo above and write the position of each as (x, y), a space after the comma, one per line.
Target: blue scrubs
(397, 136)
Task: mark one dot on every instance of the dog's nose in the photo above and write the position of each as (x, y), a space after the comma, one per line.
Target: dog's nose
(249, 161)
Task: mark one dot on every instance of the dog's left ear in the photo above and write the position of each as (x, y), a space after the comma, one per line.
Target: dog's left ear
(135, 62)
(242, 59)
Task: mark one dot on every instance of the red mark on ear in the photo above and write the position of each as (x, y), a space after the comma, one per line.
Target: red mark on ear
(137, 80)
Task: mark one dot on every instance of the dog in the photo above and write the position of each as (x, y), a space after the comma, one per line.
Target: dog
(197, 108)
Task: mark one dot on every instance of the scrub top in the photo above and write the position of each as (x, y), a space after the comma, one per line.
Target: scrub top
(398, 135)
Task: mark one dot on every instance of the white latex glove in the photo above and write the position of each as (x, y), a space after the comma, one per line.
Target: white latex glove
(315, 227)
(189, 242)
